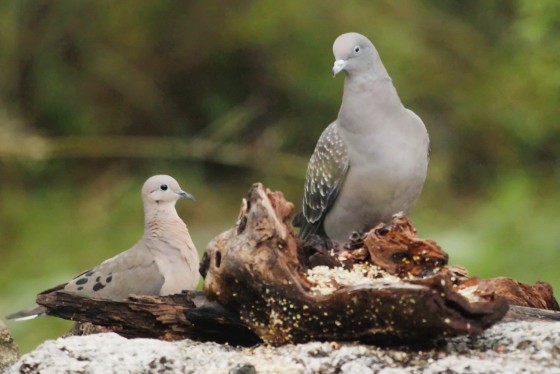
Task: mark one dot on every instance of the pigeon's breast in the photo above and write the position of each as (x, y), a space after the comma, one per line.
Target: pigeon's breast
(386, 175)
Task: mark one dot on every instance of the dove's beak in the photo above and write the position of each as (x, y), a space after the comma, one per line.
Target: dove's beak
(339, 65)
(186, 195)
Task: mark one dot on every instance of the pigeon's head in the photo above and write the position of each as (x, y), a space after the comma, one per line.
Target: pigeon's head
(355, 54)
(162, 189)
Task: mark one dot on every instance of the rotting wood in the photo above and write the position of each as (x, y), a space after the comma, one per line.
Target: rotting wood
(167, 317)
(254, 269)
(539, 295)
(259, 273)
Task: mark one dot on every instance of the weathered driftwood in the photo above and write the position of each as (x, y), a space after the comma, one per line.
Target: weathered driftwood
(254, 269)
(167, 318)
(161, 318)
(258, 272)
(539, 295)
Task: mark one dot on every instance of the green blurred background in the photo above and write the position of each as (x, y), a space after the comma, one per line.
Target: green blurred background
(95, 96)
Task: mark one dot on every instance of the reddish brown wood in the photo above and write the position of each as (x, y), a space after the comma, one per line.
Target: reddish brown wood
(253, 269)
(167, 318)
(539, 295)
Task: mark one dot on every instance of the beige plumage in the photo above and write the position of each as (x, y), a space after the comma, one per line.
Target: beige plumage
(164, 261)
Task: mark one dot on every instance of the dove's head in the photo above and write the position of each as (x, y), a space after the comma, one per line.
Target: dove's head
(355, 54)
(161, 190)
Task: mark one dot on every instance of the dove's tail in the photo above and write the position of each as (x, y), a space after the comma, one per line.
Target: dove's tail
(24, 315)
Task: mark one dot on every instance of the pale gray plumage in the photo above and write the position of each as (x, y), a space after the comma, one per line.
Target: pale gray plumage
(164, 261)
(372, 161)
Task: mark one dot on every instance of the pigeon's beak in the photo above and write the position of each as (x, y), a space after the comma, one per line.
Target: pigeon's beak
(339, 65)
(186, 195)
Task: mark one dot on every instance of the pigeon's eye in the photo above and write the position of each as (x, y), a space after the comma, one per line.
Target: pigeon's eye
(163, 187)
(357, 49)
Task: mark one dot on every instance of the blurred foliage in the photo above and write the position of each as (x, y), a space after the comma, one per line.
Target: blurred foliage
(95, 96)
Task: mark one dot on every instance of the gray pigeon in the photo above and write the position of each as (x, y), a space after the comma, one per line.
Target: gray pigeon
(371, 162)
(164, 262)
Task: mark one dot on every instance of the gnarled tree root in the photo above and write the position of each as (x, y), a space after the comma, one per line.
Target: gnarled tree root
(254, 269)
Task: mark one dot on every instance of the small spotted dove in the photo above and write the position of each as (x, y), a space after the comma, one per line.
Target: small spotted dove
(371, 162)
(164, 262)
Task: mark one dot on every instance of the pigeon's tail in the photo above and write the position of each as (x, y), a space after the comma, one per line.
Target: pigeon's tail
(307, 228)
(30, 313)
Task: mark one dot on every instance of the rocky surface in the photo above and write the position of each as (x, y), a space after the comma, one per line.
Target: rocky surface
(9, 351)
(529, 347)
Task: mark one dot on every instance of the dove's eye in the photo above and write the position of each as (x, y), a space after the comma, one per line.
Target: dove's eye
(163, 187)
(357, 49)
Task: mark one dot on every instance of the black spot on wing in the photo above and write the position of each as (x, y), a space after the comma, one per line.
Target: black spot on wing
(82, 281)
(98, 286)
(109, 279)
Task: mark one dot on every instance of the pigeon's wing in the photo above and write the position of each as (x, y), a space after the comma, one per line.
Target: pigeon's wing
(326, 173)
